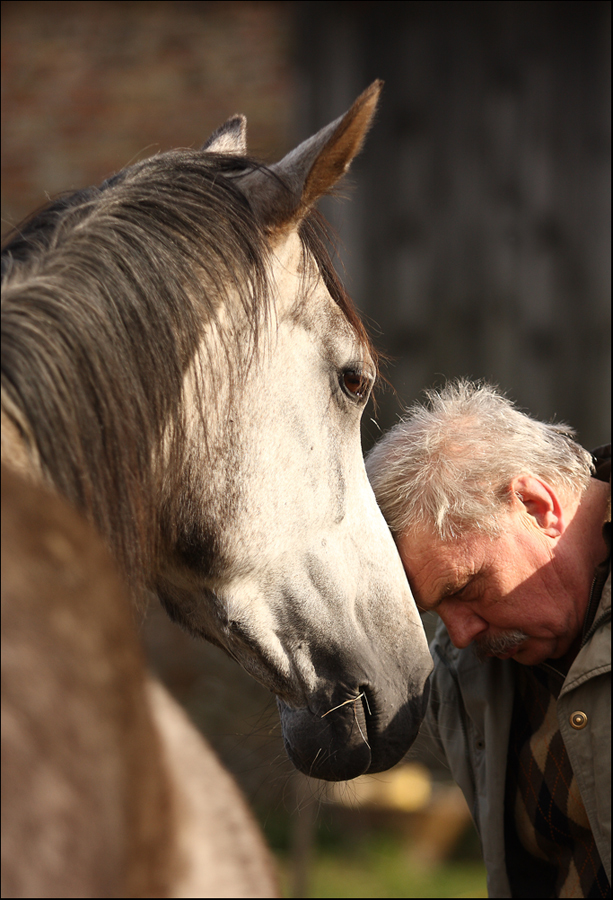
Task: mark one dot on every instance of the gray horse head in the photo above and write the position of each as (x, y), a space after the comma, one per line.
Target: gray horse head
(306, 589)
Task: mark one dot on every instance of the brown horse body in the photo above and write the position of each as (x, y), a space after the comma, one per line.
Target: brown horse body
(107, 789)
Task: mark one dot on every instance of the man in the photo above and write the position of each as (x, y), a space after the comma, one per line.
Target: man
(503, 526)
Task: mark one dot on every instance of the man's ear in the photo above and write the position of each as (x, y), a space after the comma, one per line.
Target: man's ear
(542, 503)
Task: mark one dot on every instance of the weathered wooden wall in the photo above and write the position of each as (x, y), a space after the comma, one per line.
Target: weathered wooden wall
(478, 237)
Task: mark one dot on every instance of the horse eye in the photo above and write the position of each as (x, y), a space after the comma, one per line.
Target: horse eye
(355, 384)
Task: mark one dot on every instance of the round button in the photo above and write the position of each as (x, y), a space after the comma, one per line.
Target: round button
(578, 720)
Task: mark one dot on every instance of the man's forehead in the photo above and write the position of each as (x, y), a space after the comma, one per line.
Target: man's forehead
(436, 568)
(419, 545)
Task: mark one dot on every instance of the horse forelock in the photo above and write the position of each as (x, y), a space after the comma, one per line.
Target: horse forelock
(107, 293)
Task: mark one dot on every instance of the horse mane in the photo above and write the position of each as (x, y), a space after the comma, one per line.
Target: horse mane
(106, 295)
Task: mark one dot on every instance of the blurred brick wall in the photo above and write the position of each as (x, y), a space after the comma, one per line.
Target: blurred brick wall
(88, 87)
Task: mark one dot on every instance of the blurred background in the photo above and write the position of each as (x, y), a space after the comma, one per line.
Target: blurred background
(475, 240)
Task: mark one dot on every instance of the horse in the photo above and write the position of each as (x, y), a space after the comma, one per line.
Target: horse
(107, 788)
(183, 372)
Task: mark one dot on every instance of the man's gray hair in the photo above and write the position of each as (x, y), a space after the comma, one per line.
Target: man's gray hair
(448, 464)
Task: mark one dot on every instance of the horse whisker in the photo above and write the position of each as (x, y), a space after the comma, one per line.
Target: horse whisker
(344, 703)
(315, 760)
(359, 728)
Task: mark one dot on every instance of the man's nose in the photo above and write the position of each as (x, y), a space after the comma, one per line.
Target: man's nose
(463, 625)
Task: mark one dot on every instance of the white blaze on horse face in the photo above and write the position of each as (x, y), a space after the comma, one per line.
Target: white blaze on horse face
(309, 560)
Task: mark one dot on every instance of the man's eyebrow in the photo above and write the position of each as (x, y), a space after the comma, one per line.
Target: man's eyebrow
(453, 587)
(448, 590)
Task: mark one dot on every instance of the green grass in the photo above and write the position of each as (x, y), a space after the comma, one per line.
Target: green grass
(381, 866)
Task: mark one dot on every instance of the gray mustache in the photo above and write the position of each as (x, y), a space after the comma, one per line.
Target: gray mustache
(501, 643)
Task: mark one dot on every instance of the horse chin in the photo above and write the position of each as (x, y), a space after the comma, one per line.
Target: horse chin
(348, 742)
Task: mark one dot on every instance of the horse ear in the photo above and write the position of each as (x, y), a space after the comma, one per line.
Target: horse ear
(230, 138)
(314, 167)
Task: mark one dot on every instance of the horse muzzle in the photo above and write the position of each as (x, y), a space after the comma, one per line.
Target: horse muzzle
(355, 737)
